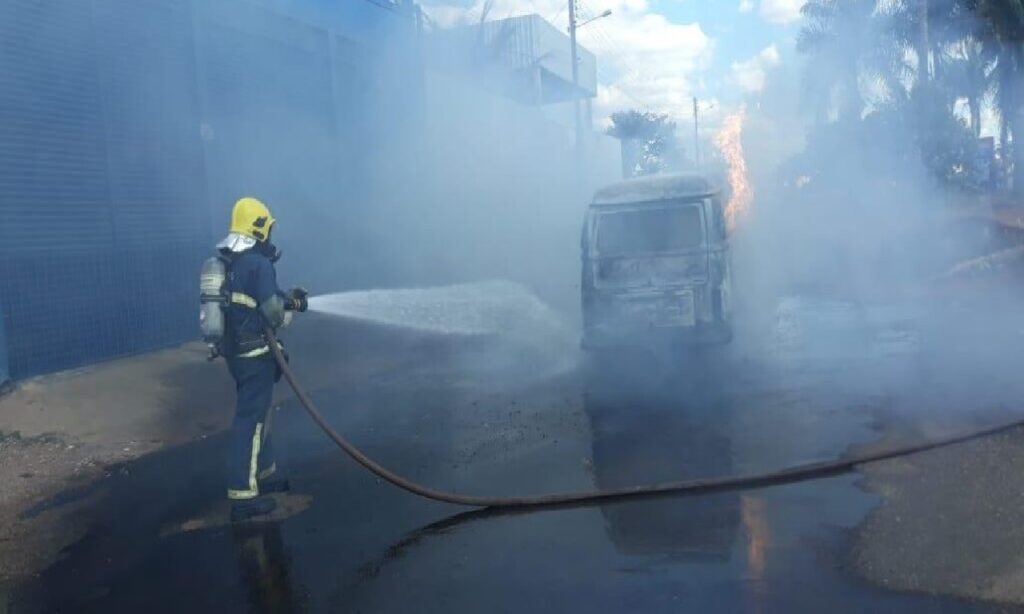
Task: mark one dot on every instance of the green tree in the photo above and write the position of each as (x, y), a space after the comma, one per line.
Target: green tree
(905, 64)
(969, 70)
(649, 143)
(836, 38)
(940, 36)
(1000, 29)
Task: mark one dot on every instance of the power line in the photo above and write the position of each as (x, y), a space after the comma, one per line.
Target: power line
(603, 38)
(622, 88)
(603, 42)
(629, 79)
(558, 14)
(633, 73)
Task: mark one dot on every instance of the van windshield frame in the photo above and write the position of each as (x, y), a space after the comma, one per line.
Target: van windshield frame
(662, 243)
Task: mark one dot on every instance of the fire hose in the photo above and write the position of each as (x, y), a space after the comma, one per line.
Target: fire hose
(796, 473)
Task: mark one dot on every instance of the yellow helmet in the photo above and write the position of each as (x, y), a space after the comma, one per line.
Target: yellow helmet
(250, 217)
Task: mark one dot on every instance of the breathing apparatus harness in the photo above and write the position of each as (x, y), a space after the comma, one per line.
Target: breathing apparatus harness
(215, 298)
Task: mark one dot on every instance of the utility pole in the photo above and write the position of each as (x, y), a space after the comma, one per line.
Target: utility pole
(696, 139)
(922, 42)
(575, 75)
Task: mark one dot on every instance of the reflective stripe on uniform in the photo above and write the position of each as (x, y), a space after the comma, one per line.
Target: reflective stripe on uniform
(242, 494)
(257, 352)
(254, 489)
(244, 299)
(240, 298)
(266, 473)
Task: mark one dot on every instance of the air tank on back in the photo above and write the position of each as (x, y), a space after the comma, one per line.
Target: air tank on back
(212, 301)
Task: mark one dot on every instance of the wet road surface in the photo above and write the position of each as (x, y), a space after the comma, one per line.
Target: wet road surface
(483, 414)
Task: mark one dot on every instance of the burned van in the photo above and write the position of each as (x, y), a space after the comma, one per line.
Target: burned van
(656, 264)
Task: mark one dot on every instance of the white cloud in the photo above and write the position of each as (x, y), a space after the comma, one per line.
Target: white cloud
(651, 61)
(610, 98)
(781, 11)
(746, 6)
(749, 75)
(644, 60)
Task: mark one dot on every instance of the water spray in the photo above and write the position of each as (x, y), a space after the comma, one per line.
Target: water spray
(483, 308)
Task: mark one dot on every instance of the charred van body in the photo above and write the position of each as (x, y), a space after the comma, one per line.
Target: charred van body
(656, 264)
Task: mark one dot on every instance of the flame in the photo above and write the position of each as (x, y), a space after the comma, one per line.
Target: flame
(729, 141)
(758, 534)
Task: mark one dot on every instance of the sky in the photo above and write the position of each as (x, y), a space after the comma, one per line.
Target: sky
(657, 54)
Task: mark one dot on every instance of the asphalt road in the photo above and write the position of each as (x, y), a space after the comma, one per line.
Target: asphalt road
(489, 414)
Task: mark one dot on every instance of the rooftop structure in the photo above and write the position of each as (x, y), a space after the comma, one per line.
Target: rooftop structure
(526, 58)
(655, 188)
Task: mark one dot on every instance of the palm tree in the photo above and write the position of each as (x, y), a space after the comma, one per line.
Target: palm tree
(833, 37)
(969, 70)
(1000, 29)
(929, 29)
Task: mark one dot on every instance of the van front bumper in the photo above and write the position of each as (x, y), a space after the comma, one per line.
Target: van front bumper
(702, 333)
(680, 316)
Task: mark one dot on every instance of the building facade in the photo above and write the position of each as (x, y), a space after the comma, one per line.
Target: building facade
(125, 127)
(129, 127)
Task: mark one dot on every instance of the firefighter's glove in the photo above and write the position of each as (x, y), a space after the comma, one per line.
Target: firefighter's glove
(297, 300)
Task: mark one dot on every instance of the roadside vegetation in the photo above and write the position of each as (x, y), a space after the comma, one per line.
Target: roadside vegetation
(932, 73)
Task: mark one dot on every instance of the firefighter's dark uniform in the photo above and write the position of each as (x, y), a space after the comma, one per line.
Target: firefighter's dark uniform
(252, 282)
(254, 303)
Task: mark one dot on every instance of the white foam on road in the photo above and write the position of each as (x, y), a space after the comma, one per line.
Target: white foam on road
(501, 308)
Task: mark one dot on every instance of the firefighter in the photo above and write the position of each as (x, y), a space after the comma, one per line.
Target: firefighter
(254, 301)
